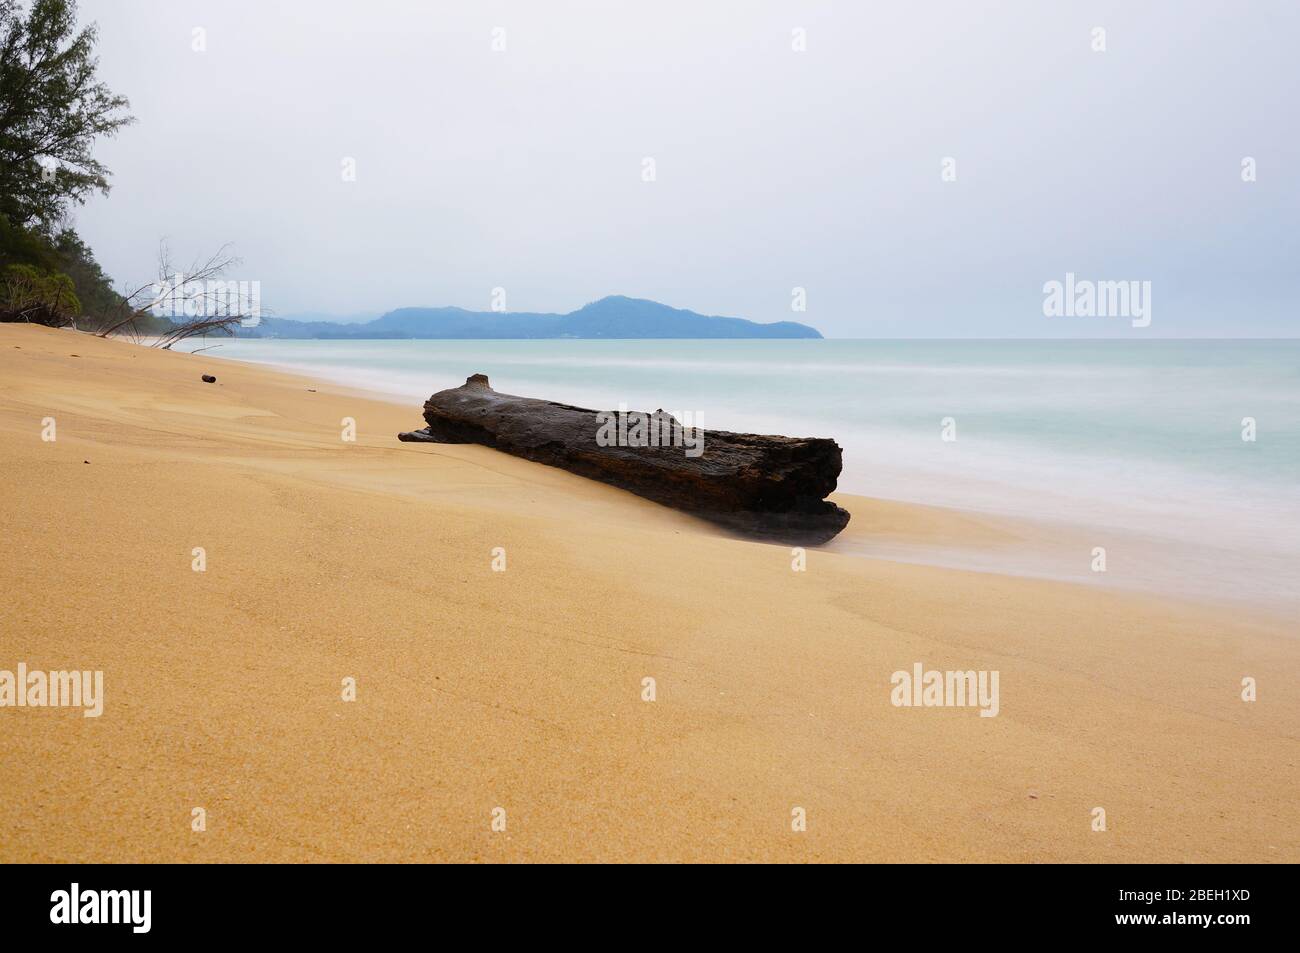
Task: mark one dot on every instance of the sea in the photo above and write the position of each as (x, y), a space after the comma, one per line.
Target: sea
(1186, 451)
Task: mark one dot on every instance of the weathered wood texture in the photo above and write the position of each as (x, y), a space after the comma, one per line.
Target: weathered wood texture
(764, 486)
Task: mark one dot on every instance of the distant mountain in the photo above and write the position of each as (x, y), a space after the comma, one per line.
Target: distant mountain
(612, 317)
(322, 316)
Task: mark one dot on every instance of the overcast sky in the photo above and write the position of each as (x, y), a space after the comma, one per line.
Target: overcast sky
(774, 168)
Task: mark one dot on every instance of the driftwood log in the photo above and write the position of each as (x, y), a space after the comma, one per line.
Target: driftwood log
(768, 487)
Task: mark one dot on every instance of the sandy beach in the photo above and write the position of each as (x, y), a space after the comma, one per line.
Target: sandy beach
(523, 689)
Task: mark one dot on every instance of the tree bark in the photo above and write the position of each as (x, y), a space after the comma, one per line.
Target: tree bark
(766, 487)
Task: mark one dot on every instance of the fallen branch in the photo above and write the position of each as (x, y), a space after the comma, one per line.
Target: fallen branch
(764, 486)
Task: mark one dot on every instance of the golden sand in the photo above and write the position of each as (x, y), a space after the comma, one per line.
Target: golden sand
(523, 689)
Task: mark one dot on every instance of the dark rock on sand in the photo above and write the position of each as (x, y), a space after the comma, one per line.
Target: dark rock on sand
(209, 379)
(765, 486)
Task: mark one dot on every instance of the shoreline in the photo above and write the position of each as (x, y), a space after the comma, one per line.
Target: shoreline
(522, 689)
(1006, 542)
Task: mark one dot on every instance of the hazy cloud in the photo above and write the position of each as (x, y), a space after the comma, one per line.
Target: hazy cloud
(774, 168)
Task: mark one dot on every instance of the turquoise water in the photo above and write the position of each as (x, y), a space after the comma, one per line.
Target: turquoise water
(1144, 436)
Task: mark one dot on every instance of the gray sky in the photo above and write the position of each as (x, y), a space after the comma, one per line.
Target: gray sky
(774, 168)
